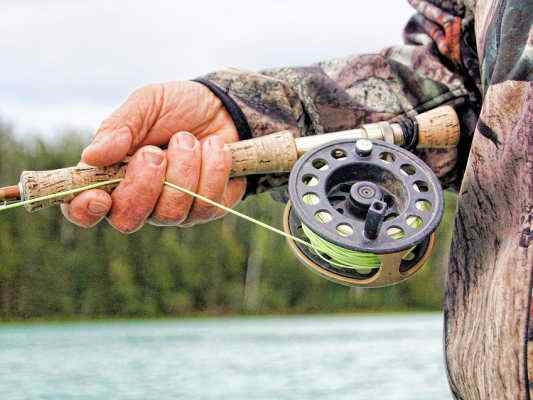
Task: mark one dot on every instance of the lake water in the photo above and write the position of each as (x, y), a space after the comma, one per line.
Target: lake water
(318, 357)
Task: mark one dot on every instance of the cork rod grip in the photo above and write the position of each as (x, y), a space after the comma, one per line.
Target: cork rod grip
(34, 184)
(267, 154)
(438, 128)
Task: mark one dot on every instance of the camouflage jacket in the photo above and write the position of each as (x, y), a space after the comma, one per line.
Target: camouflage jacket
(475, 55)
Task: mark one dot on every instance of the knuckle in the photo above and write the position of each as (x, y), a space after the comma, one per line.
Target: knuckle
(156, 93)
(145, 200)
(148, 100)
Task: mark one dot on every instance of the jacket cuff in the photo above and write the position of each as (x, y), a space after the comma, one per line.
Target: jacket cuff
(243, 129)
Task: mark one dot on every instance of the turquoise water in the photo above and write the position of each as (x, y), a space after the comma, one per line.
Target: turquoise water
(350, 357)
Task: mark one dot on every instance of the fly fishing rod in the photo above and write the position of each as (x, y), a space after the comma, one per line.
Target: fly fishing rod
(362, 208)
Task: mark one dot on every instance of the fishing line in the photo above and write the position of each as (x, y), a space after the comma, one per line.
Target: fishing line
(329, 252)
(171, 185)
(17, 204)
(239, 214)
(346, 258)
(341, 257)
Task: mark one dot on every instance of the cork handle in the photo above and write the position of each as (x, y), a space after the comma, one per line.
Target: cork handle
(438, 128)
(35, 184)
(267, 154)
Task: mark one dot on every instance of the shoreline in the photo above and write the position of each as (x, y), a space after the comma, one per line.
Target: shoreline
(213, 316)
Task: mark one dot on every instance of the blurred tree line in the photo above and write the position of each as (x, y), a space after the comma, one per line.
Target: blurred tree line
(52, 269)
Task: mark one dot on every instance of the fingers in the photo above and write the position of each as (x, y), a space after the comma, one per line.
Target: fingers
(214, 176)
(88, 208)
(201, 168)
(126, 127)
(136, 196)
(184, 156)
(150, 116)
(108, 148)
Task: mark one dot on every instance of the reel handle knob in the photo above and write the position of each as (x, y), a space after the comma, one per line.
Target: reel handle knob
(374, 219)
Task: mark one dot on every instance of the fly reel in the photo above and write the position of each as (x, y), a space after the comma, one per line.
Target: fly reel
(369, 209)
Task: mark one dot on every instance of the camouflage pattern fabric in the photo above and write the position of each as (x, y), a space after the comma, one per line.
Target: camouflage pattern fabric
(344, 93)
(475, 55)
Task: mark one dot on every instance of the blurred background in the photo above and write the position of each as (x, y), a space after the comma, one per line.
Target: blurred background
(65, 66)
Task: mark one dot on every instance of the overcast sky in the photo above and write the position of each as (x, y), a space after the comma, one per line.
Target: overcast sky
(67, 64)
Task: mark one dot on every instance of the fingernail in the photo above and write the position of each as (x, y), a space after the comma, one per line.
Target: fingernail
(97, 207)
(153, 156)
(186, 140)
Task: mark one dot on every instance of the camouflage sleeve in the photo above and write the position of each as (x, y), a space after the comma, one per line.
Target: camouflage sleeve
(436, 65)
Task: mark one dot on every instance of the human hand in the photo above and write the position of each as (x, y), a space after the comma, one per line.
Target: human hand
(194, 124)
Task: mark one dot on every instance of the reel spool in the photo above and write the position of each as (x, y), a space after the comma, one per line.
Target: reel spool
(371, 202)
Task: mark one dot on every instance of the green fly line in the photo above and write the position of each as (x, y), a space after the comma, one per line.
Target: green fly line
(339, 256)
(346, 258)
(336, 255)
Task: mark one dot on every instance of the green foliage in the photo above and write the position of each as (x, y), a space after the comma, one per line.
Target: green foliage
(51, 269)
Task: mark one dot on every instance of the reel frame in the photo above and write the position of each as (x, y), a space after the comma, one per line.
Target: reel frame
(343, 164)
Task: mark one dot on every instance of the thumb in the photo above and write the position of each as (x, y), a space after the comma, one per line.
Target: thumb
(108, 147)
(125, 128)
